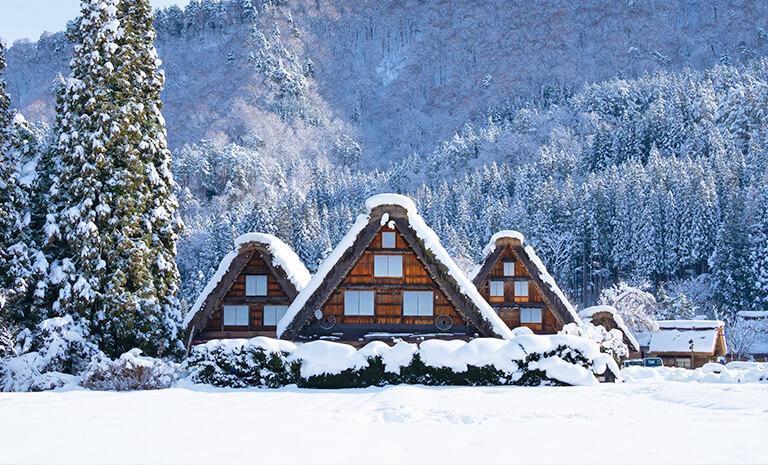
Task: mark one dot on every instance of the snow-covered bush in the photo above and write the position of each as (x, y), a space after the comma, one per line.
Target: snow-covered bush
(50, 356)
(528, 360)
(131, 371)
(733, 372)
(610, 342)
(238, 363)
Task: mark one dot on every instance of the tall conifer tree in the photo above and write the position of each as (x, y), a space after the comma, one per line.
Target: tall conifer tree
(114, 223)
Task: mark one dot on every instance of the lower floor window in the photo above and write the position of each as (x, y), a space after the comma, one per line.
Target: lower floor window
(418, 303)
(236, 315)
(530, 315)
(358, 303)
(273, 313)
(683, 362)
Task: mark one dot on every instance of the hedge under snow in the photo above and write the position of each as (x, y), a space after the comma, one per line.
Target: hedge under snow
(527, 359)
(733, 372)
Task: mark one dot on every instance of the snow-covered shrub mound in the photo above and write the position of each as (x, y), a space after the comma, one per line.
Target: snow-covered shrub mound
(51, 356)
(131, 371)
(238, 363)
(529, 360)
(734, 372)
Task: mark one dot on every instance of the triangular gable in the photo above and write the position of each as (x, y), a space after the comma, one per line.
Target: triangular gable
(283, 264)
(526, 256)
(400, 212)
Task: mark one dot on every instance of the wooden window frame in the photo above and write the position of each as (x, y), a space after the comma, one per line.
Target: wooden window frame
(236, 323)
(272, 309)
(388, 234)
(504, 268)
(421, 299)
(256, 279)
(349, 294)
(389, 259)
(530, 319)
(521, 297)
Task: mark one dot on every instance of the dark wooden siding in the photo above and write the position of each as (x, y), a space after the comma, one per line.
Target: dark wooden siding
(388, 301)
(508, 306)
(236, 296)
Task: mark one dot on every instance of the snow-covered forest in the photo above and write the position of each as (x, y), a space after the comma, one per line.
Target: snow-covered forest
(651, 174)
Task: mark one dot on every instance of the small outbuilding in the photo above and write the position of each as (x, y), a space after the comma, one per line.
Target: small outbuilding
(518, 286)
(607, 317)
(390, 278)
(250, 292)
(688, 343)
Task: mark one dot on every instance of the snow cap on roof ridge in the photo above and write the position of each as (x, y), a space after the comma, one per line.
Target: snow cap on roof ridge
(390, 199)
(503, 234)
(589, 311)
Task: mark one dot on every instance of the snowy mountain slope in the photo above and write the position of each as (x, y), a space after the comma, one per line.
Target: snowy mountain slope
(398, 76)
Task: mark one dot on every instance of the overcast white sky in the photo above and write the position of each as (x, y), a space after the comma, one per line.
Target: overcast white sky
(30, 18)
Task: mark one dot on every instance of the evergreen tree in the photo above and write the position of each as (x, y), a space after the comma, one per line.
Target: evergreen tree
(20, 263)
(758, 244)
(114, 222)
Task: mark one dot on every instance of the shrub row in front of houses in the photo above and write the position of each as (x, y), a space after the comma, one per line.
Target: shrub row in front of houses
(528, 360)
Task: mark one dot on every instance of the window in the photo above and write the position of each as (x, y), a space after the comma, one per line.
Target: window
(235, 315)
(255, 285)
(530, 315)
(388, 266)
(509, 268)
(683, 362)
(273, 313)
(418, 303)
(497, 288)
(358, 303)
(521, 290)
(388, 240)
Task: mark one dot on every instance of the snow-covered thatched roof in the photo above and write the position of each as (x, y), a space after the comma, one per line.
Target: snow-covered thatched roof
(386, 210)
(589, 312)
(686, 336)
(535, 267)
(282, 258)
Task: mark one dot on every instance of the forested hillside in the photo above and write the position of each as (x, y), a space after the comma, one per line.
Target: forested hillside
(626, 140)
(303, 78)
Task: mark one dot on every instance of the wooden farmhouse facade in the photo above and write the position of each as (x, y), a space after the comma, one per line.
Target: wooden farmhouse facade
(688, 343)
(249, 294)
(518, 286)
(390, 278)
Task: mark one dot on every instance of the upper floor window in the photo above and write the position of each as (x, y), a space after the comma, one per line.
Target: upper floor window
(521, 289)
(388, 240)
(418, 303)
(236, 315)
(255, 285)
(496, 288)
(509, 268)
(388, 266)
(358, 303)
(273, 313)
(530, 315)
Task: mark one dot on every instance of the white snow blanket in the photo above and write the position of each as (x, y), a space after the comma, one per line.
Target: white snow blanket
(431, 243)
(734, 372)
(447, 425)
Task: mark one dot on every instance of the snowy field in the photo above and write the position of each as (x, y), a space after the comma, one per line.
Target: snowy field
(643, 422)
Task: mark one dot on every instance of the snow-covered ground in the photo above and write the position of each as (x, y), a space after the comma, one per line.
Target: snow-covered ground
(643, 422)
